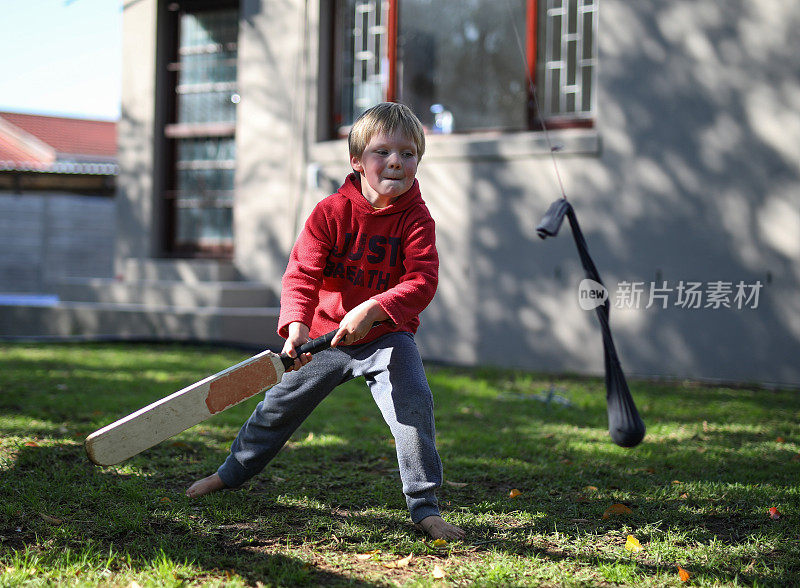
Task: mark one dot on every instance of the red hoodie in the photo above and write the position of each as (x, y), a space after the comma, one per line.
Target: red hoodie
(349, 252)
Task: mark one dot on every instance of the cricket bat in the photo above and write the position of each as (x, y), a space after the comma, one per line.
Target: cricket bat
(185, 408)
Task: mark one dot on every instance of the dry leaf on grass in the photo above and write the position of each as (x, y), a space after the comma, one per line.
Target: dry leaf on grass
(400, 563)
(49, 519)
(774, 513)
(514, 493)
(367, 555)
(683, 574)
(455, 484)
(632, 544)
(438, 572)
(616, 509)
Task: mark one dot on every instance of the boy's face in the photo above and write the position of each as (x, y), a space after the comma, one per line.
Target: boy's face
(387, 167)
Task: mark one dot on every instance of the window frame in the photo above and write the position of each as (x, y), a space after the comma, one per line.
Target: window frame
(172, 130)
(332, 130)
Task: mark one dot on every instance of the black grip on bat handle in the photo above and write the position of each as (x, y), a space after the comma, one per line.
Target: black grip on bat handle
(313, 346)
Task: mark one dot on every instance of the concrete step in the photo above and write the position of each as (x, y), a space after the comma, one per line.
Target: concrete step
(189, 271)
(95, 320)
(200, 294)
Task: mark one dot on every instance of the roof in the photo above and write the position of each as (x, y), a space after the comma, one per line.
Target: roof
(32, 142)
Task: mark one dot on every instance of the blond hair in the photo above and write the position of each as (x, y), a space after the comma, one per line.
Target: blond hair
(386, 117)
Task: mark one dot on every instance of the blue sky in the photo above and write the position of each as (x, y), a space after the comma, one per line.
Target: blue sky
(61, 57)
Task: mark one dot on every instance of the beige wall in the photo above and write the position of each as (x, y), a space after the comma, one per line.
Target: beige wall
(692, 174)
(136, 203)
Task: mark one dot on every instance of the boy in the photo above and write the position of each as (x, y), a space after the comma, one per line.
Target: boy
(366, 255)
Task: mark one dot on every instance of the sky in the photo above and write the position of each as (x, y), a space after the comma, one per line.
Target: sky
(61, 57)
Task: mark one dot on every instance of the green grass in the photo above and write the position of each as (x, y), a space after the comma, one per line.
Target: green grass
(329, 509)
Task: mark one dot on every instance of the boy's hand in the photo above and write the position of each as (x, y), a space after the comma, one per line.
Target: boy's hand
(356, 324)
(298, 334)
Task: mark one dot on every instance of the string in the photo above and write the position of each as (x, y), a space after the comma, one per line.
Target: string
(532, 86)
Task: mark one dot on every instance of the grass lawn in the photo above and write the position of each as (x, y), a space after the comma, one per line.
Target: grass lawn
(329, 510)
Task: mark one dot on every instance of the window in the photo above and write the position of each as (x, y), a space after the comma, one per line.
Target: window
(200, 128)
(464, 66)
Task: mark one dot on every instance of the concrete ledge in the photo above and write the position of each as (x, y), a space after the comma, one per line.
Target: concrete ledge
(165, 293)
(190, 271)
(242, 326)
(484, 146)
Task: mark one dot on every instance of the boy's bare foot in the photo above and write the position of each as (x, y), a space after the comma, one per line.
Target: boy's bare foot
(437, 528)
(207, 485)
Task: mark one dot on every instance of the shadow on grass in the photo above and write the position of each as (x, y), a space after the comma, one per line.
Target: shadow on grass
(239, 532)
(337, 487)
(55, 492)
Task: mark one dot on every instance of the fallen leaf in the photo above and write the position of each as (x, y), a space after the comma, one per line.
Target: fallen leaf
(455, 484)
(165, 499)
(780, 440)
(683, 574)
(590, 489)
(400, 563)
(181, 445)
(438, 572)
(31, 444)
(514, 493)
(677, 482)
(49, 519)
(440, 542)
(367, 555)
(684, 496)
(617, 509)
(632, 544)
(774, 513)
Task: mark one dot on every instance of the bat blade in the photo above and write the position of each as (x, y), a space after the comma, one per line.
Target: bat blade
(185, 408)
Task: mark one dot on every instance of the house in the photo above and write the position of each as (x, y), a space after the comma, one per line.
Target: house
(671, 127)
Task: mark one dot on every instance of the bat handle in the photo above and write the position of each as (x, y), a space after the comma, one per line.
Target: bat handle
(313, 346)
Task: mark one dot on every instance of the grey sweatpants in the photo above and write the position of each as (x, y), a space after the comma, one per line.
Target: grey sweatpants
(393, 370)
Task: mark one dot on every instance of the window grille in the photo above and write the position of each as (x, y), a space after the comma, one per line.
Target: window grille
(365, 67)
(570, 57)
(200, 183)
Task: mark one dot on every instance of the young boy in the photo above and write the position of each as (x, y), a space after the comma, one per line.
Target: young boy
(366, 255)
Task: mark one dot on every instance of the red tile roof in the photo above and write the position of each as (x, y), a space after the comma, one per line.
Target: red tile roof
(87, 139)
(12, 151)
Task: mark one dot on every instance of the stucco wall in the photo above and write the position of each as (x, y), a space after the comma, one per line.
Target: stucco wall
(691, 175)
(137, 208)
(694, 178)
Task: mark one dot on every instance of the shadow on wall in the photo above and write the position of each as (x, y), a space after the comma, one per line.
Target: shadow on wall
(697, 181)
